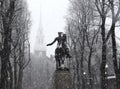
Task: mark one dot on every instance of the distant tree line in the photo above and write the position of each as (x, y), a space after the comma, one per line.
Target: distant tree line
(91, 26)
(39, 73)
(14, 42)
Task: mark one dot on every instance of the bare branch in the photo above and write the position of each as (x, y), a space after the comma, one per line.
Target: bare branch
(96, 3)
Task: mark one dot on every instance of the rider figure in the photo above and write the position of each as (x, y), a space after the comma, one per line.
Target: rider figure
(62, 41)
(59, 45)
(59, 39)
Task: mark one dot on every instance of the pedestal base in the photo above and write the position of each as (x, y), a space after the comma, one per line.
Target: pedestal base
(62, 79)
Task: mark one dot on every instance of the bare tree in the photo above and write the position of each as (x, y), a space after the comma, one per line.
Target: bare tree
(103, 8)
(7, 14)
(14, 23)
(81, 25)
(103, 11)
(21, 45)
(115, 17)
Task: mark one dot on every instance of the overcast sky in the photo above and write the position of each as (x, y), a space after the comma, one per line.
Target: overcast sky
(53, 14)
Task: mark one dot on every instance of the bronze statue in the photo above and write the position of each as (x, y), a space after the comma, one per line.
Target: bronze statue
(62, 51)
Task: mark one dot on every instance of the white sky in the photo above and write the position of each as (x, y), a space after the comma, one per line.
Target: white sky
(53, 19)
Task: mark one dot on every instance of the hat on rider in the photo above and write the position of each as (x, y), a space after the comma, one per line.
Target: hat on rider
(59, 32)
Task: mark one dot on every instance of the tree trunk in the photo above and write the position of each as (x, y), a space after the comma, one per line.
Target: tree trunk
(6, 69)
(78, 74)
(77, 68)
(6, 73)
(15, 73)
(82, 58)
(102, 68)
(89, 69)
(20, 77)
(114, 49)
(4, 76)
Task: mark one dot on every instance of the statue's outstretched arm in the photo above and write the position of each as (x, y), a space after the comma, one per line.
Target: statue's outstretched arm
(52, 42)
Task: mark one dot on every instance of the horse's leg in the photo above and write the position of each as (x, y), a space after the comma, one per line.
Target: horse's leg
(63, 55)
(57, 58)
(60, 62)
(56, 62)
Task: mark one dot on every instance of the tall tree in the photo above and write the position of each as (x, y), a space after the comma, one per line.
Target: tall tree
(103, 11)
(7, 9)
(14, 28)
(115, 18)
(81, 25)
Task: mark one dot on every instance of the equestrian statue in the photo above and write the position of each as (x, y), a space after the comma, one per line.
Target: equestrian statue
(62, 50)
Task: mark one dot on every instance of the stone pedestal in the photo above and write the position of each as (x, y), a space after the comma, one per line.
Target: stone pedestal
(62, 79)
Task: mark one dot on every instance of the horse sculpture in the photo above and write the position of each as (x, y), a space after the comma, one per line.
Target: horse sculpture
(61, 52)
(60, 57)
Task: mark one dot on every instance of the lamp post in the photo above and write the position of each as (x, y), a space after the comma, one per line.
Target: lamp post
(106, 75)
(84, 79)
